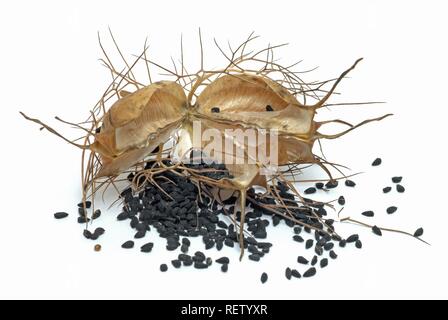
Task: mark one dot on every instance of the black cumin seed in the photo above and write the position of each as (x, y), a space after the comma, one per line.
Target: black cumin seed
(128, 245)
(297, 230)
(254, 257)
(310, 190)
(358, 244)
(377, 231)
(88, 205)
(319, 185)
(215, 110)
(386, 189)
(302, 260)
(269, 108)
(184, 248)
(400, 188)
(328, 246)
(122, 216)
(296, 274)
(83, 219)
(352, 238)
(186, 242)
(200, 265)
(140, 234)
(209, 261)
(332, 184)
(87, 234)
(288, 273)
(368, 213)
(96, 214)
(318, 250)
(309, 244)
(147, 247)
(60, 215)
(223, 260)
(396, 179)
(342, 243)
(418, 233)
(376, 162)
(224, 267)
(264, 277)
(350, 183)
(176, 263)
(298, 238)
(163, 267)
(310, 272)
(314, 261)
(229, 242)
(99, 231)
(391, 210)
(333, 255)
(341, 200)
(324, 263)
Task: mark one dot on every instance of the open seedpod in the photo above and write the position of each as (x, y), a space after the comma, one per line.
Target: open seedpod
(250, 93)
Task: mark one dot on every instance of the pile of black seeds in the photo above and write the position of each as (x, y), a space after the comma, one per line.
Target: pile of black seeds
(178, 210)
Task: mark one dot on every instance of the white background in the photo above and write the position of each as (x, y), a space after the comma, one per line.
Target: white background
(49, 66)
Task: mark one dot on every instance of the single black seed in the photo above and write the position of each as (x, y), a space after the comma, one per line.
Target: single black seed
(418, 233)
(309, 244)
(264, 277)
(297, 230)
(60, 215)
(342, 243)
(200, 265)
(350, 183)
(128, 245)
(288, 273)
(328, 246)
(215, 110)
(298, 238)
(358, 244)
(99, 231)
(296, 274)
(87, 234)
(269, 108)
(123, 216)
(184, 248)
(319, 185)
(352, 238)
(224, 267)
(88, 205)
(223, 260)
(332, 184)
(314, 261)
(397, 179)
(386, 189)
(333, 255)
(318, 250)
(140, 234)
(176, 263)
(96, 214)
(377, 231)
(400, 188)
(391, 210)
(341, 200)
(369, 213)
(254, 257)
(229, 242)
(310, 272)
(324, 263)
(209, 261)
(302, 260)
(147, 247)
(310, 190)
(376, 162)
(163, 267)
(186, 242)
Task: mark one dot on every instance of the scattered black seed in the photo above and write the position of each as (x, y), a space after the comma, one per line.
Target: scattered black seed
(352, 238)
(215, 110)
(60, 215)
(377, 231)
(224, 267)
(99, 231)
(324, 263)
(163, 267)
(186, 242)
(400, 188)
(341, 200)
(229, 242)
(333, 255)
(310, 190)
(328, 246)
(302, 260)
(298, 238)
(309, 244)
(254, 257)
(264, 277)
(209, 261)
(396, 179)
(376, 162)
(310, 272)
(297, 230)
(358, 244)
(318, 250)
(123, 216)
(342, 243)
(269, 108)
(184, 248)
(223, 260)
(128, 245)
(140, 234)
(386, 189)
(96, 214)
(418, 233)
(200, 265)
(88, 205)
(350, 183)
(288, 273)
(296, 274)
(87, 234)
(368, 213)
(331, 184)
(314, 261)
(147, 247)
(176, 263)
(319, 185)
(391, 210)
